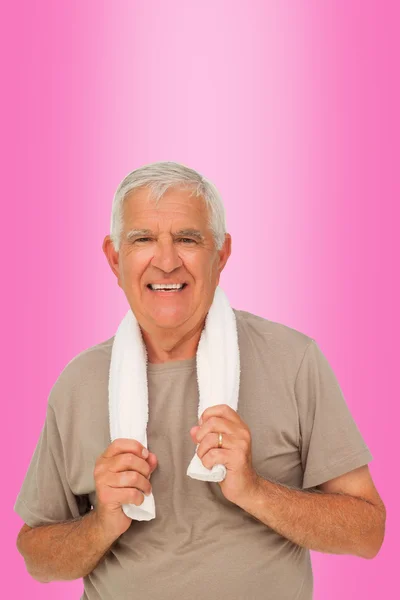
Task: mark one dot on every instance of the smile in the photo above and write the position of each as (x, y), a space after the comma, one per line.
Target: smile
(166, 287)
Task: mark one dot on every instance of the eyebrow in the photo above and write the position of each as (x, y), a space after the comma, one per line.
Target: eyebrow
(133, 233)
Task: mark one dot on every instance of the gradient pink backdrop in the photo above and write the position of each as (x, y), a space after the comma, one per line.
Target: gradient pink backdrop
(292, 109)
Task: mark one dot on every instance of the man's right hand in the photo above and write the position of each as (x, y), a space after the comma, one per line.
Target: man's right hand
(121, 475)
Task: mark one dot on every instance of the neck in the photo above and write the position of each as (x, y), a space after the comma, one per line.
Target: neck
(168, 345)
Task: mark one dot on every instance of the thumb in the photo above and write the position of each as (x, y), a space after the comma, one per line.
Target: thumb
(152, 460)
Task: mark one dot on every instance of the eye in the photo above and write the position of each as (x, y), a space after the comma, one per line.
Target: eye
(188, 240)
(183, 239)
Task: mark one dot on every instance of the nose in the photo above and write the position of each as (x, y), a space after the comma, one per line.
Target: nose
(166, 256)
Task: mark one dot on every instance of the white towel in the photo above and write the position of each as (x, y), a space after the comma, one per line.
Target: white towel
(218, 375)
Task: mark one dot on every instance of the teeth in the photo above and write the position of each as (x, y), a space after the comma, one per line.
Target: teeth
(166, 286)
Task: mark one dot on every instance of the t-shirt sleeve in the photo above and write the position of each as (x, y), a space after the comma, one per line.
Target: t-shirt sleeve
(330, 441)
(45, 496)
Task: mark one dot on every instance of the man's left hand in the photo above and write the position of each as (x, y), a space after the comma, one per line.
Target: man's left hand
(241, 479)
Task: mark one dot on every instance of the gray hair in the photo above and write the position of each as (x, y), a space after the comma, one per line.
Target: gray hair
(159, 177)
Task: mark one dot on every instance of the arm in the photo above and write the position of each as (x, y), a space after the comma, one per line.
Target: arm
(64, 551)
(343, 516)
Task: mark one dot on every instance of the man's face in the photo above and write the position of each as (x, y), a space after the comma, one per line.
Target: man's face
(169, 244)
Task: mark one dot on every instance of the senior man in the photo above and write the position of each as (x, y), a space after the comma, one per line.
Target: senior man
(297, 474)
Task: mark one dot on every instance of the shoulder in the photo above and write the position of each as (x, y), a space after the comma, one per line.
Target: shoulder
(276, 340)
(86, 370)
(255, 325)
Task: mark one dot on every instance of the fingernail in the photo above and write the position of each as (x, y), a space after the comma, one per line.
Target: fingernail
(201, 421)
(145, 453)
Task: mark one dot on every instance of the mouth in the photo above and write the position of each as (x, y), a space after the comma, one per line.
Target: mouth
(169, 288)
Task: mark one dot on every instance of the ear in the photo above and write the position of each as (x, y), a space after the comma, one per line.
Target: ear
(112, 256)
(225, 252)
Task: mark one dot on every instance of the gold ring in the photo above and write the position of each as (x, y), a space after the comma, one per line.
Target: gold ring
(220, 440)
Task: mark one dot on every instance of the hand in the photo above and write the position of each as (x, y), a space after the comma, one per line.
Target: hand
(241, 479)
(121, 476)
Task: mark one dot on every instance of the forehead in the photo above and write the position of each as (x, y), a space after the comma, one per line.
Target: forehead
(176, 205)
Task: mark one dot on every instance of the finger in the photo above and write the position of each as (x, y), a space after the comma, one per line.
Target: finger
(217, 456)
(124, 445)
(229, 442)
(128, 479)
(221, 410)
(217, 424)
(128, 462)
(127, 495)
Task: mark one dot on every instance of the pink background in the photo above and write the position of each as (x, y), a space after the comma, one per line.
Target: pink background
(292, 109)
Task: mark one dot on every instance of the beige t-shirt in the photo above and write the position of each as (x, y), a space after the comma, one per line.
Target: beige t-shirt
(200, 545)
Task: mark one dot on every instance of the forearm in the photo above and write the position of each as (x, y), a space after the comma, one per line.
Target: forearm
(332, 523)
(65, 551)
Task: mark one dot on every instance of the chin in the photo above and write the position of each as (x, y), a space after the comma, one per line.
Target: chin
(169, 318)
